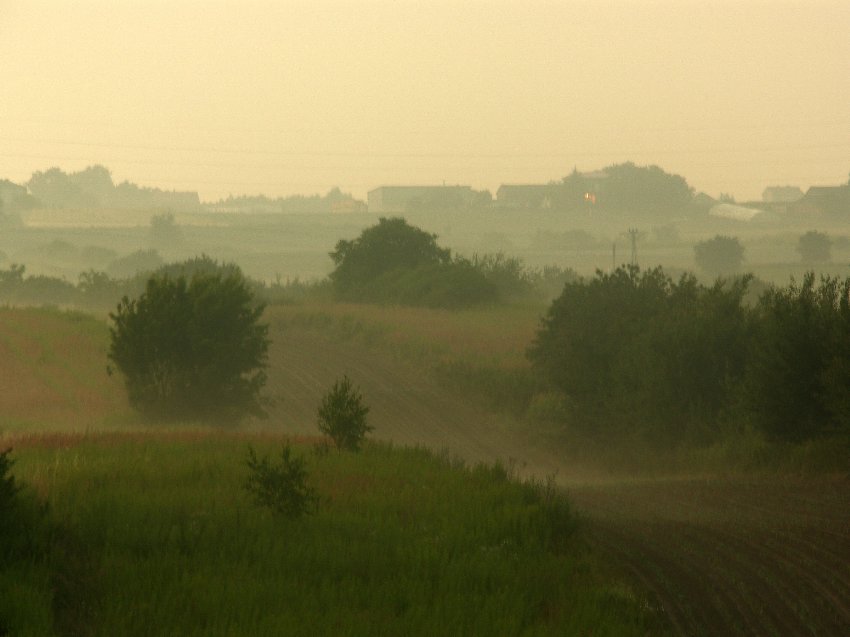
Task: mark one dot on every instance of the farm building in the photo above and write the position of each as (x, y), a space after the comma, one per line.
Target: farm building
(528, 196)
(394, 199)
(833, 201)
(781, 194)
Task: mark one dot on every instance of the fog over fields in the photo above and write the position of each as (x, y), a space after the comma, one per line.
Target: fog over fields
(427, 318)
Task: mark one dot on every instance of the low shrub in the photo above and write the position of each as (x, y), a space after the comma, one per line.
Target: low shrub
(282, 487)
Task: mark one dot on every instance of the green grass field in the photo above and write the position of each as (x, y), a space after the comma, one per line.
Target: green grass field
(157, 537)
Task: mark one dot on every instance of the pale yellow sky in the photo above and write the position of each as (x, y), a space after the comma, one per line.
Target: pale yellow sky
(296, 97)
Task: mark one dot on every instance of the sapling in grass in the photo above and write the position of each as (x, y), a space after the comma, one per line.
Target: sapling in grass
(342, 415)
(283, 486)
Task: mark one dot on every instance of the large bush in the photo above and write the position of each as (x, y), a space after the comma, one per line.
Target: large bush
(635, 351)
(798, 376)
(393, 262)
(815, 247)
(192, 348)
(719, 255)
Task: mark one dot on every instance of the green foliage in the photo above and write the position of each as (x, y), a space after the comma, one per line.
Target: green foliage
(507, 274)
(637, 352)
(282, 487)
(393, 262)
(192, 349)
(798, 374)
(455, 284)
(719, 256)
(815, 247)
(342, 415)
(390, 245)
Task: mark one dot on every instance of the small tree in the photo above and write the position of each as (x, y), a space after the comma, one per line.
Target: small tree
(342, 415)
(192, 349)
(282, 487)
(720, 255)
(815, 247)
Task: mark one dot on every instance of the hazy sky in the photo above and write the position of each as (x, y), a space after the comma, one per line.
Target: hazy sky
(296, 97)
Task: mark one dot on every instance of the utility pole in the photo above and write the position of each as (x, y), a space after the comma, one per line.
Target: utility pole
(633, 235)
(613, 256)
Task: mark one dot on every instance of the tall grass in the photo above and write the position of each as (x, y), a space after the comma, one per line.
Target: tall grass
(405, 542)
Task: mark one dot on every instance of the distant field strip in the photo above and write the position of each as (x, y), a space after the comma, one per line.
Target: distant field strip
(53, 371)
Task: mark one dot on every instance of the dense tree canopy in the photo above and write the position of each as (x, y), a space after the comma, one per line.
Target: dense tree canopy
(192, 348)
(798, 376)
(637, 350)
(394, 262)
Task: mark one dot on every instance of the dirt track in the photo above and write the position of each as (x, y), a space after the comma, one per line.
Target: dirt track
(719, 557)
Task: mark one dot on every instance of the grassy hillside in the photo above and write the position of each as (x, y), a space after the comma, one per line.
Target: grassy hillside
(154, 535)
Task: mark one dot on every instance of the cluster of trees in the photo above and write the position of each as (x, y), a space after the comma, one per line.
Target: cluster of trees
(637, 353)
(724, 256)
(621, 188)
(93, 188)
(394, 262)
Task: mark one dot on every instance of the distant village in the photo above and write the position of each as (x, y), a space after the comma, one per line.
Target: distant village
(623, 187)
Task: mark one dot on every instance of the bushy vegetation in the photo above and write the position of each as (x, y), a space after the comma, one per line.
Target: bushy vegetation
(394, 262)
(815, 247)
(282, 487)
(636, 354)
(342, 415)
(192, 348)
(798, 376)
(719, 256)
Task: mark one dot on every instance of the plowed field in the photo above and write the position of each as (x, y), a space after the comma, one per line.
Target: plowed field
(718, 557)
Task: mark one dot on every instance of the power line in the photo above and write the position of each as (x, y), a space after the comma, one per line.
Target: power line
(435, 155)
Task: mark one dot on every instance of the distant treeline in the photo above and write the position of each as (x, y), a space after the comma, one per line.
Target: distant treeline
(636, 355)
(98, 290)
(94, 188)
(334, 201)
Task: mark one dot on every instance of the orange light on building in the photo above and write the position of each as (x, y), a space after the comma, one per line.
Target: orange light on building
(590, 197)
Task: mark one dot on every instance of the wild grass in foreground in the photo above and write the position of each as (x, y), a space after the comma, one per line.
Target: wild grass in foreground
(155, 535)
